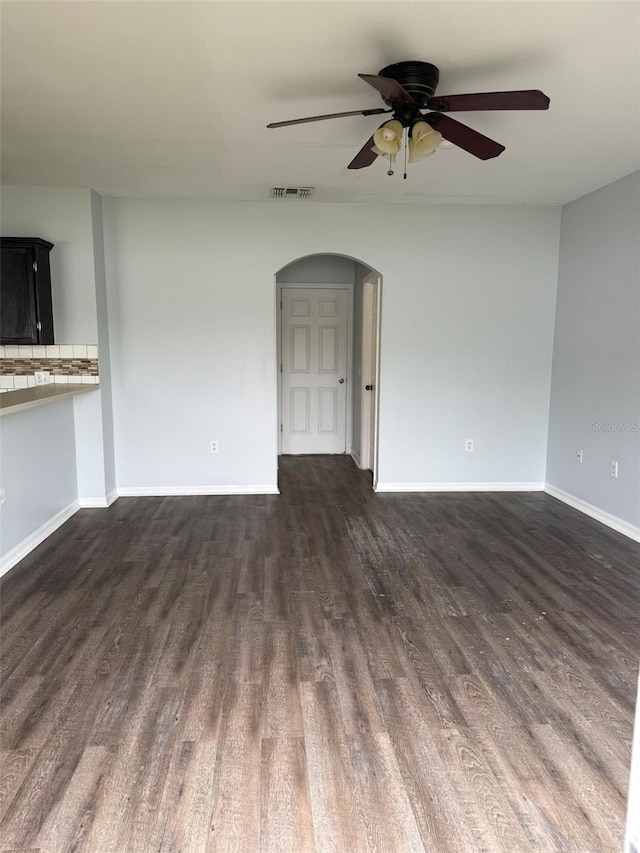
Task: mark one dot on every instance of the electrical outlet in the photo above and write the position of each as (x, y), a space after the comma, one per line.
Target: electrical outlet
(579, 456)
(1, 497)
(468, 445)
(213, 447)
(613, 469)
(43, 377)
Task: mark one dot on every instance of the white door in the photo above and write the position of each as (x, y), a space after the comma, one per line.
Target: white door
(314, 370)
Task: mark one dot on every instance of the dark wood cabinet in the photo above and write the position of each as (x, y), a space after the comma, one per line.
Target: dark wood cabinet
(26, 315)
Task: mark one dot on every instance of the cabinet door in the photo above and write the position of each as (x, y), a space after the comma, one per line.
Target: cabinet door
(42, 287)
(18, 324)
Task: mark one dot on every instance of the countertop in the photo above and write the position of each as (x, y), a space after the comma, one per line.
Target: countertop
(28, 398)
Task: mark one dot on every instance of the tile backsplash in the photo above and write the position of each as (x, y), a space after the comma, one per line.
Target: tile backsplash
(67, 363)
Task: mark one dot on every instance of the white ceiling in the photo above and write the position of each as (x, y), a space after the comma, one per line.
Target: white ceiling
(171, 99)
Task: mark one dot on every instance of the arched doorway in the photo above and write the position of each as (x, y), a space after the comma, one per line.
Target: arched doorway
(328, 309)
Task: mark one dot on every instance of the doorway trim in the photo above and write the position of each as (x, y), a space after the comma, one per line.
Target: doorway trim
(370, 373)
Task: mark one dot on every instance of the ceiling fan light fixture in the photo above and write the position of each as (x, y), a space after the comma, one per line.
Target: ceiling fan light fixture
(407, 89)
(388, 138)
(423, 141)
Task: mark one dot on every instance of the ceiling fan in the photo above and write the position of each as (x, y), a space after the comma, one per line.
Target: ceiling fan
(408, 88)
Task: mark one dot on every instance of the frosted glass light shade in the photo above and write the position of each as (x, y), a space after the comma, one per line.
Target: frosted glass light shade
(423, 141)
(388, 138)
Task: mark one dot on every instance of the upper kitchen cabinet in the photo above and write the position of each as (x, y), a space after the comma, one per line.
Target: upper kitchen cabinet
(26, 315)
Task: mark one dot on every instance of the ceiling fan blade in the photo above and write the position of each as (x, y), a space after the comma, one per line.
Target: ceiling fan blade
(529, 99)
(373, 112)
(389, 88)
(464, 137)
(365, 156)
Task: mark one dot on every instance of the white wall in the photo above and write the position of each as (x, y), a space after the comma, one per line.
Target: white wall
(105, 426)
(61, 215)
(37, 472)
(596, 366)
(467, 332)
(318, 269)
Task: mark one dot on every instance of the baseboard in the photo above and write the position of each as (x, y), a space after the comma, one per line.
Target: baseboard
(460, 487)
(20, 551)
(612, 521)
(165, 491)
(356, 457)
(86, 503)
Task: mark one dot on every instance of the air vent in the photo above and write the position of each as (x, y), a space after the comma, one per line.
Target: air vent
(291, 192)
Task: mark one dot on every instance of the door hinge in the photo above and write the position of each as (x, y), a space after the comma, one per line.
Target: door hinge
(280, 427)
(35, 266)
(280, 367)
(39, 326)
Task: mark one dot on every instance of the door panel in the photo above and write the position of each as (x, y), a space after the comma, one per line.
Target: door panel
(314, 331)
(300, 349)
(327, 410)
(328, 307)
(328, 356)
(300, 308)
(300, 411)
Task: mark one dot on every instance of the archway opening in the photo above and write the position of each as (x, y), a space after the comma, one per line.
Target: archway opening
(328, 353)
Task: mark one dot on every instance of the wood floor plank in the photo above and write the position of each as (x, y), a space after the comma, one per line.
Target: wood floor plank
(187, 798)
(490, 804)
(374, 633)
(421, 667)
(13, 769)
(143, 753)
(429, 781)
(337, 816)
(247, 645)
(383, 801)
(147, 821)
(312, 651)
(236, 796)
(64, 824)
(355, 690)
(85, 817)
(527, 779)
(251, 575)
(281, 710)
(327, 669)
(599, 802)
(50, 772)
(17, 704)
(129, 678)
(277, 587)
(286, 822)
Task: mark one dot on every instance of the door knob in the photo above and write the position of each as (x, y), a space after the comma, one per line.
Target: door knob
(341, 381)
(368, 387)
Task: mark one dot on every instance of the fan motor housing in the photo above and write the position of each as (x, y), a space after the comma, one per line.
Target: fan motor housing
(420, 79)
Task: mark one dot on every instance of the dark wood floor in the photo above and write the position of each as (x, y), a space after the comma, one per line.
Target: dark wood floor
(326, 670)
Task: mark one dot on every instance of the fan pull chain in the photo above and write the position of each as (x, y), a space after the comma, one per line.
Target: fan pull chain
(406, 141)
